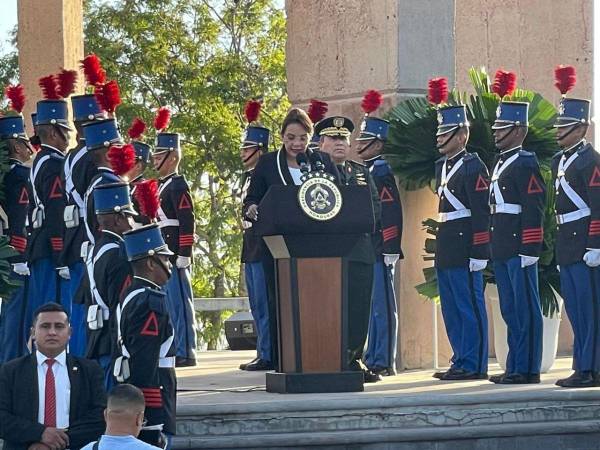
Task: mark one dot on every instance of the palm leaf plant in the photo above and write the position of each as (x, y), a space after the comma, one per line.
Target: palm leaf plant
(411, 151)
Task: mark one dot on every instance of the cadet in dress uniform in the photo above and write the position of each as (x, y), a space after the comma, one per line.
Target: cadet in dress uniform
(463, 239)
(334, 139)
(48, 280)
(517, 197)
(576, 174)
(255, 142)
(109, 271)
(77, 173)
(177, 223)
(14, 207)
(383, 327)
(143, 157)
(145, 333)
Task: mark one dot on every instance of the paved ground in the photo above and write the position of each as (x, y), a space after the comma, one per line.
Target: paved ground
(217, 381)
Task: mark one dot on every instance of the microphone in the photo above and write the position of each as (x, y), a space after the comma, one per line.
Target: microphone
(302, 162)
(316, 161)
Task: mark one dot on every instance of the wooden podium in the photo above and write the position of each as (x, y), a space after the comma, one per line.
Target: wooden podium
(312, 288)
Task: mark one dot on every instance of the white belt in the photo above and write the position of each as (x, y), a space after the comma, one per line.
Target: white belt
(168, 223)
(505, 208)
(453, 215)
(168, 362)
(573, 216)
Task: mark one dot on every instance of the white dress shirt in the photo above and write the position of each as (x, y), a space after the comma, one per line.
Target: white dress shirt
(62, 388)
(296, 174)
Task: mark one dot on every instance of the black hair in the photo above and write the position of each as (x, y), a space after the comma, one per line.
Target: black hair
(49, 307)
(125, 395)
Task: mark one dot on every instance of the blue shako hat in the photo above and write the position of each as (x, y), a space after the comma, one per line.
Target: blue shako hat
(373, 128)
(53, 112)
(34, 118)
(144, 242)
(166, 142)
(511, 114)
(256, 136)
(86, 108)
(113, 198)
(101, 134)
(573, 111)
(450, 118)
(143, 152)
(13, 127)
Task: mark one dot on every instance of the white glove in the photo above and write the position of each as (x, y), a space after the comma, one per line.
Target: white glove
(63, 272)
(528, 260)
(475, 265)
(21, 269)
(183, 261)
(592, 257)
(390, 260)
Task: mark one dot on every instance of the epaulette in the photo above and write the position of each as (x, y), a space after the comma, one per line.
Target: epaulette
(180, 180)
(22, 170)
(156, 300)
(557, 155)
(472, 162)
(526, 153)
(440, 160)
(587, 156)
(381, 168)
(57, 156)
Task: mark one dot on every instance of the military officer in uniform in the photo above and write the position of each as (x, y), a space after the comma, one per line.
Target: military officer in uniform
(517, 198)
(576, 174)
(145, 333)
(383, 327)
(109, 271)
(77, 173)
(143, 157)
(334, 139)
(15, 144)
(462, 250)
(177, 223)
(255, 142)
(49, 280)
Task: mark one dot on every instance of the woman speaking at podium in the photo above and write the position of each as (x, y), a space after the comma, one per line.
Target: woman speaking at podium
(282, 168)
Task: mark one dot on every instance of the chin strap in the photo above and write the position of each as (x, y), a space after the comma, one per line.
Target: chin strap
(506, 135)
(244, 161)
(162, 163)
(452, 134)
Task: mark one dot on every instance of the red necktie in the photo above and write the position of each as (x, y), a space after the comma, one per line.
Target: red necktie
(50, 397)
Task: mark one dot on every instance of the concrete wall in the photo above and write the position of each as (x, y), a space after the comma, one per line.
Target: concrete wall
(337, 49)
(50, 37)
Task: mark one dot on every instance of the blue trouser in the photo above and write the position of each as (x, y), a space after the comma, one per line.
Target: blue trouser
(45, 286)
(12, 343)
(180, 305)
(520, 307)
(465, 318)
(580, 287)
(105, 361)
(383, 325)
(259, 307)
(78, 339)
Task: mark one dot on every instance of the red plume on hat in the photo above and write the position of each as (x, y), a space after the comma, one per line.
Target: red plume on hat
(162, 119)
(371, 101)
(146, 194)
(49, 87)
(317, 110)
(66, 80)
(93, 71)
(564, 78)
(122, 158)
(16, 97)
(137, 128)
(505, 83)
(437, 90)
(252, 110)
(108, 96)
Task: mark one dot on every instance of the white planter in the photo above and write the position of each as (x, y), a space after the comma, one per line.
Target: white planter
(550, 339)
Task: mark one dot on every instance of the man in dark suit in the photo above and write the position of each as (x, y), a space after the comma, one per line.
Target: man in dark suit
(50, 400)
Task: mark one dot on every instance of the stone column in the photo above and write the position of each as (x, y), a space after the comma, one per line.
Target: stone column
(50, 37)
(337, 49)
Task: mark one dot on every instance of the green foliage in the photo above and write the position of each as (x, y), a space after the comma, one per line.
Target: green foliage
(9, 61)
(203, 58)
(6, 283)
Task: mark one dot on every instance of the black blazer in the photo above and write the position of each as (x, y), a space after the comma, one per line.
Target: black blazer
(19, 402)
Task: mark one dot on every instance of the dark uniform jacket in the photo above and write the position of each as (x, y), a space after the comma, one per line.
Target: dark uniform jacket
(19, 426)
(140, 219)
(47, 240)
(583, 176)
(145, 327)
(17, 192)
(78, 171)
(103, 175)
(520, 184)
(388, 242)
(253, 247)
(112, 276)
(467, 237)
(176, 215)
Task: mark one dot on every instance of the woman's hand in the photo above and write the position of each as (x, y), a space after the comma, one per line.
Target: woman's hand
(252, 212)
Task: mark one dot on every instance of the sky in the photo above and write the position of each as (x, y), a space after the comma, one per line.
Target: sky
(8, 18)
